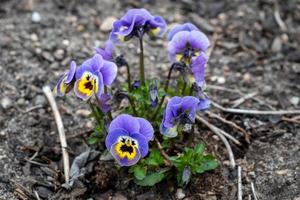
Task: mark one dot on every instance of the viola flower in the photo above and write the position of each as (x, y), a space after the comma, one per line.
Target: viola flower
(137, 20)
(104, 102)
(66, 82)
(204, 102)
(107, 52)
(128, 139)
(188, 45)
(179, 111)
(92, 75)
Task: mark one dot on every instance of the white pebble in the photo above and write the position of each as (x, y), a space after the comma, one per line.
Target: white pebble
(295, 100)
(221, 80)
(180, 194)
(36, 17)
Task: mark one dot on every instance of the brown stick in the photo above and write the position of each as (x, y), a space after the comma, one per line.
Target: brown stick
(163, 153)
(290, 120)
(234, 125)
(61, 131)
(223, 139)
(256, 112)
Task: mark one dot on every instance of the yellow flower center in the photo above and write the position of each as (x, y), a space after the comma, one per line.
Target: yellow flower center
(126, 147)
(87, 85)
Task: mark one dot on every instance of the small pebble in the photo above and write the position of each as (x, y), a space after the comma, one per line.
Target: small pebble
(276, 45)
(6, 103)
(107, 24)
(180, 194)
(66, 42)
(35, 17)
(295, 101)
(59, 54)
(83, 112)
(40, 100)
(221, 80)
(34, 37)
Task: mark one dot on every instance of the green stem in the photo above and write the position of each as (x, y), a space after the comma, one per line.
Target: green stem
(166, 90)
(94, 112)
(183, 88)
(128, 77)
(142, 67)
(109, 112)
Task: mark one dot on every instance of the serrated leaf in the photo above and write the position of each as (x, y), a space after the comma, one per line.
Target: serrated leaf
(152, 179)
(139, 172)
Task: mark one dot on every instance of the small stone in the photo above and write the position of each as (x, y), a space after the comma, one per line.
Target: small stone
(221, 80)
(180, 194)
(107, 24)
(295, 101)
(35, 17)
(47, 56)
(6, 103)
(247, 77)
(34, 37)
(21, 101)
(59, 54)
(66, 42)
(119, 196)
(83, 112)
(40, 100)
(276, 45)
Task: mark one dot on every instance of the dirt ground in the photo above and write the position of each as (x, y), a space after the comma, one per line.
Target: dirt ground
(256, 51)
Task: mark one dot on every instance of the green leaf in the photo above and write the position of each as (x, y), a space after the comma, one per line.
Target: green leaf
(93, 139)
(153, 178)
(208, 163)
(139, 172)
(155, 158)
(199, 149)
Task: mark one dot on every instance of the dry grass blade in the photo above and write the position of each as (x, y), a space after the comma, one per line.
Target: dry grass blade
(241, 100)
(256, 112)
(234, 125)
(223, 139)
(240, 192)
(62, 136)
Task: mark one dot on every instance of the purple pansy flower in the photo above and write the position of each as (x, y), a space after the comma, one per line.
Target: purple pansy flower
(137, 20)
(107, 51)
(128, 139)
(179, 111)
(104, 102)
(92, 75)
(66, 82)
(188, 45)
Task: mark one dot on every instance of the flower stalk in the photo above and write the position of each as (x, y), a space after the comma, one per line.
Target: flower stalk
(142, 65)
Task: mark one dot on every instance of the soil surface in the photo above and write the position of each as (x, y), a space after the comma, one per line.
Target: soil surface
(256, 50)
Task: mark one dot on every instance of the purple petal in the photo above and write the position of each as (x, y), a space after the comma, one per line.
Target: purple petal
(142, 143)
(109, 72)
(112, 137)
(169, 132)
(198, 68)
(139, 15)
(204, 104)
(178, 44)
(146, 128)
(100, 85)
(157, 23)
(104, 102)
(199, 40)
(127, 122)
(171, 111)
(182, 27)
(189, 103)
(60, 86)
(97, 62)
(71, 72)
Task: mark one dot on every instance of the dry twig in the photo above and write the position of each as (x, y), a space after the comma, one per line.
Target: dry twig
(241, 100)
(278, 19)
(256, 112)
(234, 125)
(163, 153)
(292, 120)
(240, 192)
(253, 191)
(61, 131)
(224, 140)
